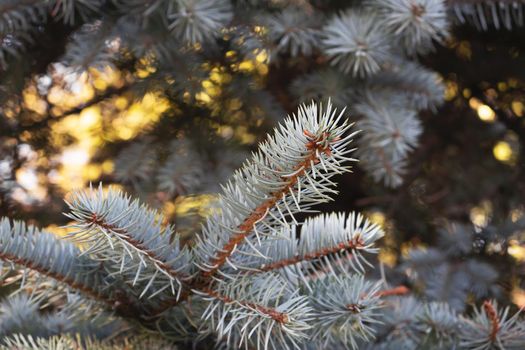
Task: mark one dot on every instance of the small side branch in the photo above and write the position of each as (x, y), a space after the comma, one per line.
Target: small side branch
(399, 290)
(349, 245)
(124, 234)
(494, 320)
(315, 148)
(118, 304)
(280, 317)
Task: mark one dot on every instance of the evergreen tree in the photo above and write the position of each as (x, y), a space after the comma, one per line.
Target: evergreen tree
(255, 269)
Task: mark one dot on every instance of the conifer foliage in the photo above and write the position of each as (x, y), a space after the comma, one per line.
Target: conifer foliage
(255, 277)
(265, 270)
(363, 49)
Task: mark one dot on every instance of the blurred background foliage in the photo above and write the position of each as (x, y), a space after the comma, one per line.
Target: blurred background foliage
(72, 113)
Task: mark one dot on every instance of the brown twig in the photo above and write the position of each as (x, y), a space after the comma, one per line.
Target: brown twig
(399, 290)
(95, 220)
(121, 304)
(280, 317)
(315, 146)
(494, 319)
(355, 243)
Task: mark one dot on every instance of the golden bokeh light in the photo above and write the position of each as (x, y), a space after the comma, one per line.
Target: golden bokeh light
(74, 157)
(377, 217)
(518, 297)
(27, 179)
(481, 214)
(486, 114)
(502, 151)
(79, 135)
(474, 103)
(387, 255)
(516, 250)
(517, 108)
